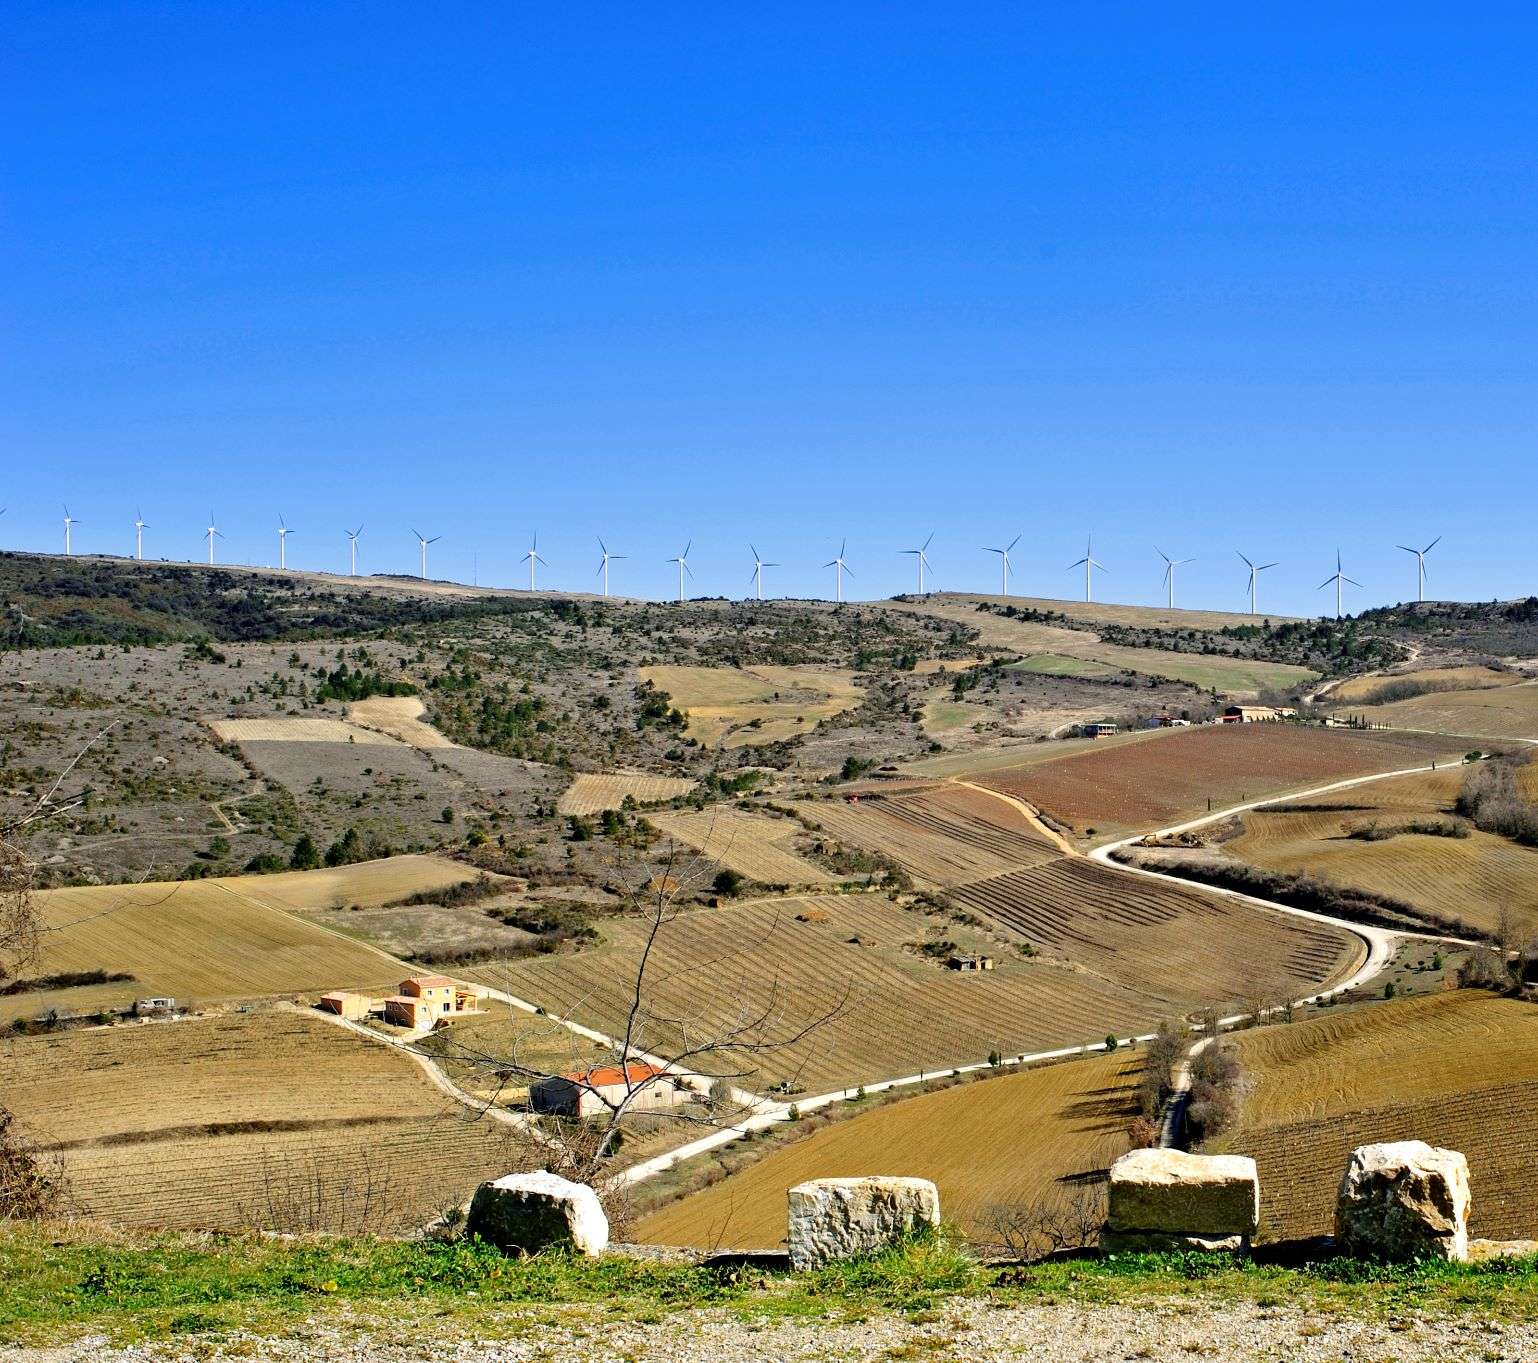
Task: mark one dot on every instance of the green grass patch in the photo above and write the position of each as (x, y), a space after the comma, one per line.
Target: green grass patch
(1061, 665)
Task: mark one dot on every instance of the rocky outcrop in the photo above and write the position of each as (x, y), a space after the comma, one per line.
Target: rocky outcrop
(1404, 1200)
(531, 1212)
(843, 1218)
(1168, 1199)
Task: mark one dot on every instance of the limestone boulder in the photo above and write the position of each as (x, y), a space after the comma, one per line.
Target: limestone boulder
(1404, 1200)
(844, 1218)
(531, 1212)
(1158, 1193)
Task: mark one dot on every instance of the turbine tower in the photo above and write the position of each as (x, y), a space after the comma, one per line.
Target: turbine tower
(603, 567)
(758, 574)
(682, 560)
(424, 542)
(839, 569)
(1256, 569)
(922, 555)
(212, 532)
(352, 551)
(1004, 563)
(534, 559)
(1170, 564)
(283, 533)
(1089, 563)
(1339, 579)
(140, 526)
(1420, 565)
(68, 521)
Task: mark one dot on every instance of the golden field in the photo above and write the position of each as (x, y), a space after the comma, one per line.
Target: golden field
(594, 792)
(735, 706)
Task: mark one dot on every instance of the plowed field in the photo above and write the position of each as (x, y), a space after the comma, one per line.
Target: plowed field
(753, 845)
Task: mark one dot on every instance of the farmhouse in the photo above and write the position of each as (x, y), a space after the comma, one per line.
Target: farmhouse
(1097, 730)
(587, 1093)
(424, 1001)
(1256, 714)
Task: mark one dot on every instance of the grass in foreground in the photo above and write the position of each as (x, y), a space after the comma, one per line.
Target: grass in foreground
(61, 1282)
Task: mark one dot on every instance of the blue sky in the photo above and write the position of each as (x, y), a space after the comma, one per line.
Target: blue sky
(1174, 275)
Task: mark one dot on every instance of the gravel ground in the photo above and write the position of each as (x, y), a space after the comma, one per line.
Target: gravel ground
(1059, 1333)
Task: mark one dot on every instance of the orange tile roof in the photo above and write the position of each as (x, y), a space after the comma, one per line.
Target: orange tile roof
(427, 981)
(604, 1075)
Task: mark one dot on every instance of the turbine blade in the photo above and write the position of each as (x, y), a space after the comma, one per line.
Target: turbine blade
(1324, 584)
(1246, 561)
(1432, 545)
(1012, 544)
(1352, 581)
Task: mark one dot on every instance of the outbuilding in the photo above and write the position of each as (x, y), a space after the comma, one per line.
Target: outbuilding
(345, 1004)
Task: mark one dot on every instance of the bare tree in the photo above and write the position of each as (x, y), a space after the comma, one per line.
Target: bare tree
(1063, 1219)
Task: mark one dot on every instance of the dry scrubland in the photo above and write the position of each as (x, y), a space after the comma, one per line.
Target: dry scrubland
(1456, 1069)
(1490, 712)
(207, 940)
(754, 845)
(732, 706)
(1366, 690)
(1172, 775)
(592, 793)
(255, 1119)
(1472, 878)
(1018, 1138)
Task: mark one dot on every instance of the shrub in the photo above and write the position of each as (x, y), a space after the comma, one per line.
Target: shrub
(727, 882)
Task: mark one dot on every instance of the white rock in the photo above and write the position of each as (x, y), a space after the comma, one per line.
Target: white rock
(843, 1218)
(531, 1212)
(1404, 1200)
(1170, 1192)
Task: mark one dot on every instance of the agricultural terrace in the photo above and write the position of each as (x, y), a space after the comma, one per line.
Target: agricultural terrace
(225, 938)
(940, 834)
(758, 846)
(1471, 877)
(295, 730)
(1129, 956)
(1488, 712)
(1176, 773)
(1379, 687)
(400, 717)
(730, 707)
(274, 1119)
(592, 793)
(1455, 1069)
(1016, 1139)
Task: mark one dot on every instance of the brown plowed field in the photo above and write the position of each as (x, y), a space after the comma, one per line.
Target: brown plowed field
(1172, 777)
(940, 835)
(1180, 946)
(1013, 1140)
(1454, 1069)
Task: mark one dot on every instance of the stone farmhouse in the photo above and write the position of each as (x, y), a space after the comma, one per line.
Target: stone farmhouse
(589, 1093)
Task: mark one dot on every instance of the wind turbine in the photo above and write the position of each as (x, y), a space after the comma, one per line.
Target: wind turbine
(424, 542)
(352, 551)
(840, 568)
(758, 574)
(68, 521)
(1420, 564)
(140, 526)
(1170, 564)
(1004, 562)
(682, 560)
(211, 532)
(922, 554)
(1338, 578)
(283, 533)
(1089, 563)
(534, 558)
(604, 566)
(1255, 571)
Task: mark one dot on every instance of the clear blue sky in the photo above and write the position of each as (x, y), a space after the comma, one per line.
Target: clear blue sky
(1176, 275)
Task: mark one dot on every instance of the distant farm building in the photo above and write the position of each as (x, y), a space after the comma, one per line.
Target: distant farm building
(154, 1007)
(589, 1093)
(969, 963)
(1168, 722)
(1097, 730)
(1256, 714)
(345, 1004)
(424, 1001)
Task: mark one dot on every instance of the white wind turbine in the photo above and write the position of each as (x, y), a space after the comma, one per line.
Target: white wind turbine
(283, 533)
(212, 532)
(424, 542)
(534, 558)
(1339, 579)
(1256, 569)
(352, 551)
(1170, 564)
(839, 569)
(140, 526)
(1004, 563)
(68, 521)
(922, 555)
(603, 567)
(1089, 563)
(682, 560)
(1420, 564)
(758, 574)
